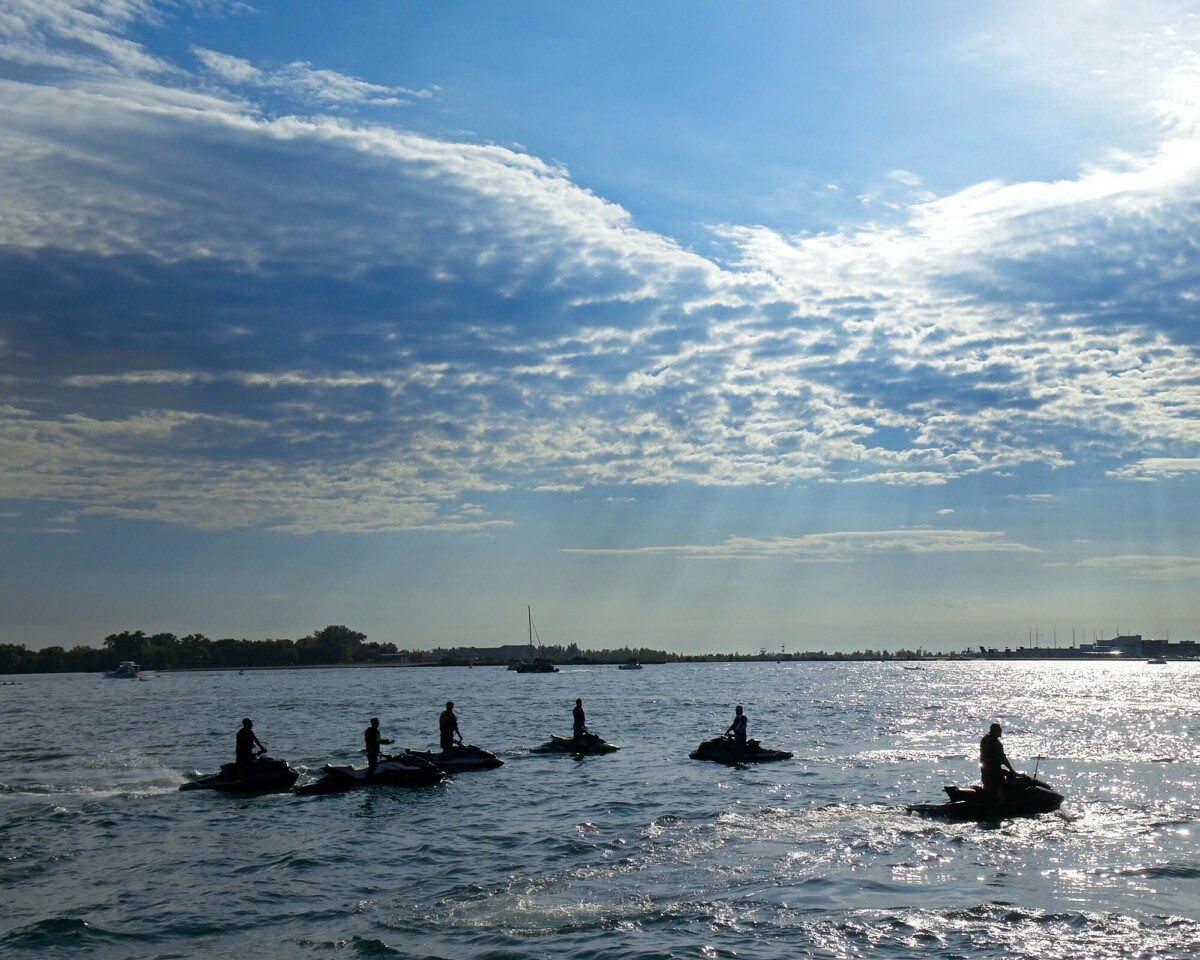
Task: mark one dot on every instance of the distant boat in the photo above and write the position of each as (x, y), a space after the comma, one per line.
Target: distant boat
(536, 663)
(127, 670)
(1157, 660)
(631, 664)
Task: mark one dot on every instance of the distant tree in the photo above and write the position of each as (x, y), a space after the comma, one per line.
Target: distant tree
(160, 652)
(14, 658)
(51, 659)
(83, 659)
(337, 644)
(124, 646)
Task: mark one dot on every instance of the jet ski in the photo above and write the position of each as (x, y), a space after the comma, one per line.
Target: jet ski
(725, 750)
(586, 744)
(262, 775)
(1024, 796)
(462, 756)
(391, 771)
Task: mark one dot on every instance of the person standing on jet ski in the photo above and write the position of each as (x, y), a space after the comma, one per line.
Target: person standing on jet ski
(448, 727)
(374, 740)
(579, 728)
(738, 728)
(992, 762)
(247, 740)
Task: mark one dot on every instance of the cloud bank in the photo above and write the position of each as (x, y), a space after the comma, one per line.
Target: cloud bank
(219, 314)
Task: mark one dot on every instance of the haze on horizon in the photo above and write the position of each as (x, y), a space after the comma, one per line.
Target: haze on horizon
(697, 326)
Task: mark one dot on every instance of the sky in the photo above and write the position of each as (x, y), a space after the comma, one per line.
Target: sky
(702, 326)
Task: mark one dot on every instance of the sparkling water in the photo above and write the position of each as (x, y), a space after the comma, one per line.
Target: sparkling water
(637, 854)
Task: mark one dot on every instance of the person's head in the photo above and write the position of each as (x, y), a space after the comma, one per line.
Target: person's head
(995, 730)
(247, 723)
(374, 721)
(449, 704)
(578, 702)
(739, 709)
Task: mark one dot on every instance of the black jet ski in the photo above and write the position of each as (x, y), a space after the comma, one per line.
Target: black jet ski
(585, 744)
(726, 750)
(262, 775)
(1024, 796)
(406, 771)
(462, 756)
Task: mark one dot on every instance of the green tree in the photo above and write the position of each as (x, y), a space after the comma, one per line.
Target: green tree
(334, 644)
(124, 646)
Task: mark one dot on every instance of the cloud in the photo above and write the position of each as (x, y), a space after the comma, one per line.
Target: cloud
(84, 37)
(219, 315)
(1159, 468)
(842, 546)
(1145, 567)
(305, 82)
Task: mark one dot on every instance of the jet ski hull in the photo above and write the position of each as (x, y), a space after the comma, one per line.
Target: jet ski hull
(390, 772)
(724, 750)
(589, 743)
(469, 757)
(1024, 797)
(262, 776)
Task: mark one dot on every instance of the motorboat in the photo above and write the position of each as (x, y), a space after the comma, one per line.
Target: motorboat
(588, 743)
(391, 771)
(726, 750)
(1023, 796)
(126, 670)
(634, 664)
(263, 775)
(464, 756)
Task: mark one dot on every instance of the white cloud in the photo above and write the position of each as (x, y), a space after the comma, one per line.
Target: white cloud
(841, 546)
(229, 68)
(306, 82)
(1152, 468)
(1147, 567)
(306, 299)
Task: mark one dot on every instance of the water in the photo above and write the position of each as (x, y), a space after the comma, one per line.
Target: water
(635, 855)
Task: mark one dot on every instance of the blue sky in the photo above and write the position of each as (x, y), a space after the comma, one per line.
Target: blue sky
(705, 326)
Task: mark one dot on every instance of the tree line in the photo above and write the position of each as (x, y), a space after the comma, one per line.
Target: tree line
(328, 646)
(339, 645)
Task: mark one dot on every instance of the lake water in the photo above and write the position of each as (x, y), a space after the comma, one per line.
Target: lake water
(634, 855)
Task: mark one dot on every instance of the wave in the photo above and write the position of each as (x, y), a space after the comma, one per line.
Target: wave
(58, 935)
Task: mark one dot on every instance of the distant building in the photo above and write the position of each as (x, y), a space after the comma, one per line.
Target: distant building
(512, 651)
(1124, 646)
(1188, 649)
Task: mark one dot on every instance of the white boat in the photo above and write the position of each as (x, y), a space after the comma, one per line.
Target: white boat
(127, 670)
(632, 664)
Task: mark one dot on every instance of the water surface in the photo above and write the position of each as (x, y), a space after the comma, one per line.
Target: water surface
(638, 854)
